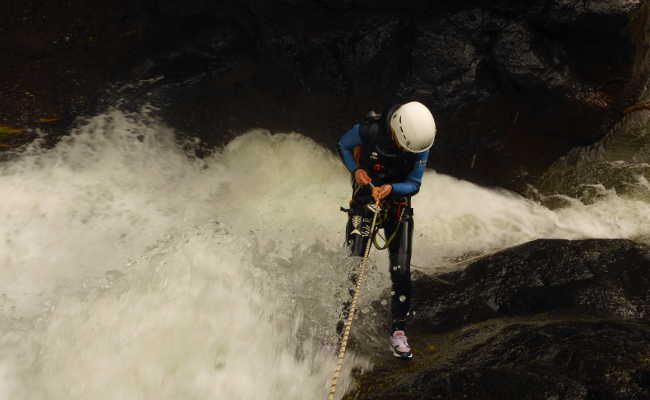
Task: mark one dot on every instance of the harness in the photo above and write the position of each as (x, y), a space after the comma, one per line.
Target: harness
(400, 212)
(398, 209)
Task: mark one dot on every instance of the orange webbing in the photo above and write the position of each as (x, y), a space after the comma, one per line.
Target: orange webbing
(637, 107)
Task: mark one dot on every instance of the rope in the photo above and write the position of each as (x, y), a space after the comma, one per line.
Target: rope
(390, 239)
(363, 269)
(375, 230)
(637, 107)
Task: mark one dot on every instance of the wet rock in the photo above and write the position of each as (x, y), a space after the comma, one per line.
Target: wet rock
(609, 278)
(445, 68)
(549, 319)
(587, 15)
(619, 161)
(512, 86)
(527, 360)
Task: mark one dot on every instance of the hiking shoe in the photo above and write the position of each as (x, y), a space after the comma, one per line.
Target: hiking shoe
(400, 346)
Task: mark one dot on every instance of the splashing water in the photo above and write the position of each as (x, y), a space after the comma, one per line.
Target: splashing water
(132, 270)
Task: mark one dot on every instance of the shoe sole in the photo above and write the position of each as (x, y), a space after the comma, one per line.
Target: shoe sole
(401, 356)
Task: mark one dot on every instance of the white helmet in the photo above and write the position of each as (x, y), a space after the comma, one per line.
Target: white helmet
(414, 127)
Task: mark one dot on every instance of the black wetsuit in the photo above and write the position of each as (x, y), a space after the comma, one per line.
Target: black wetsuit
(385, 163)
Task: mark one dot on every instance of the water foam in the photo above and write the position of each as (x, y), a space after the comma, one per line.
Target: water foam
(132, 270)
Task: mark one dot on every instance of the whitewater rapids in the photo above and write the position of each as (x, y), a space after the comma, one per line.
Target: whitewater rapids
(131, 270)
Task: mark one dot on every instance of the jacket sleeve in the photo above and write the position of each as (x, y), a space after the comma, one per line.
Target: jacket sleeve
(345, 145)
(413, 180)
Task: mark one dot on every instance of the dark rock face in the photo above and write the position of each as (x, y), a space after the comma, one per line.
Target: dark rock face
(599, 277)
(556, 360)
(512, 85)
(617, 161)
(548, 319)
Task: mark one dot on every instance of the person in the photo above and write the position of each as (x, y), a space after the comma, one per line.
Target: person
(387, 155)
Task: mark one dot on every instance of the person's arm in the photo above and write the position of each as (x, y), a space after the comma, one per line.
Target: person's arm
(345, 145)
(413, 180)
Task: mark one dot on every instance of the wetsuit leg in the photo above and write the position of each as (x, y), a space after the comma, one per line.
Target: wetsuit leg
(357, 234)
(357, 231)
(400, 267)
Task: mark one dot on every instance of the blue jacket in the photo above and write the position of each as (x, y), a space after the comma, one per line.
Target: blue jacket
(409, 186)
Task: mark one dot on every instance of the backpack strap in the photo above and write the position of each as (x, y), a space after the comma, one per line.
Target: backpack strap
(370, 127)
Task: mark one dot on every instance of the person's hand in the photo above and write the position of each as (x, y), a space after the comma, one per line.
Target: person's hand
(361, 176)
(382, 191)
